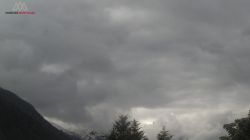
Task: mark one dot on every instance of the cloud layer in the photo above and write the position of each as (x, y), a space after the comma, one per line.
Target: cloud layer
(183, 63)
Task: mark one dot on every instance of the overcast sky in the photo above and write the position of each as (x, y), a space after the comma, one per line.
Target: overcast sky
(180, 63)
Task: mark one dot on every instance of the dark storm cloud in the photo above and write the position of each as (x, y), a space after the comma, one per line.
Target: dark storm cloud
(84, 62)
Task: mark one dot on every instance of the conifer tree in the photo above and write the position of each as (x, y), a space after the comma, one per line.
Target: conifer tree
(121, 129)
(136, 132)
(238, 130)
(124, 129)
(164, 135)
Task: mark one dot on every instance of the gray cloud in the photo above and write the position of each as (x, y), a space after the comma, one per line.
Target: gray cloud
(84, 62)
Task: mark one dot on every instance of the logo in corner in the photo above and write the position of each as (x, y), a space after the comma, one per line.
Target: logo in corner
(20, 8)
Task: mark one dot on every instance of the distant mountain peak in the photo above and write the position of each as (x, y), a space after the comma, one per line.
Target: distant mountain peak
(19, 120)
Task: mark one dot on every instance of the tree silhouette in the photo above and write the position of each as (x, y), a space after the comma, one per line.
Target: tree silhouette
(164, 135)
(124, 129)
(238, 130)
(136, 132)
(121, 129)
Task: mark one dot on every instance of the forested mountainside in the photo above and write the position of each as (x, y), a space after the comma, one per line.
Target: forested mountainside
(20, 121)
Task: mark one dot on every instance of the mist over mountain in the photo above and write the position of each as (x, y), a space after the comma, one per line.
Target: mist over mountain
(19, 120)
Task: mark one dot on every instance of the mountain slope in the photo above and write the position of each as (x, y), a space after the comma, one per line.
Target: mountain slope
(20, 121)
(2, 137)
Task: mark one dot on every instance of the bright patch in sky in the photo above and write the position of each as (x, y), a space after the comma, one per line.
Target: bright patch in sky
(54, 68)
(123, 14)
(148, 121)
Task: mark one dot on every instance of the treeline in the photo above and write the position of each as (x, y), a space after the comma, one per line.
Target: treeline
(126, 129)
(238, 130)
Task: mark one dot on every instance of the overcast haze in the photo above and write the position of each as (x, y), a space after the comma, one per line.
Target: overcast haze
(180, 63)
